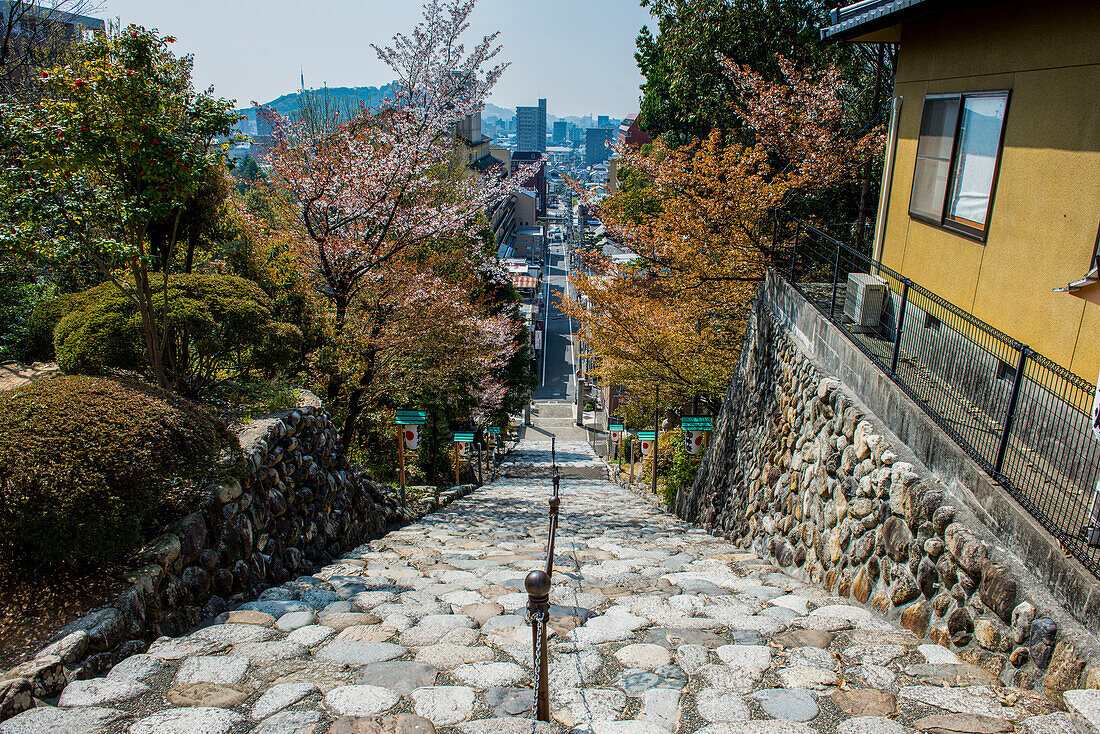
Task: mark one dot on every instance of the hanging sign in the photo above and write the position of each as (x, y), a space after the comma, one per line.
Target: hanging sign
(616, 428)
(412, 436)
(648, 439)
(693, 441)
(493, 429)
(409, 440)
(697, 423)
(464, 437)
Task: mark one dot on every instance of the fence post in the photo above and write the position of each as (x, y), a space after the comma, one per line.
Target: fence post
(901, 323)
(794, 248)
(836, 277)
(775, 232)
(1010, 413)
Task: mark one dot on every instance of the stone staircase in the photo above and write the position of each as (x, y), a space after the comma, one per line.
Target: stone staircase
(531, 458)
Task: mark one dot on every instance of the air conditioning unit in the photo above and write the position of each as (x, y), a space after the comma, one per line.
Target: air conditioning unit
(863, 300)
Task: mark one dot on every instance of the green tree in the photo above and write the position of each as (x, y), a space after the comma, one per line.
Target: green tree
(686, 93)
(119, 147)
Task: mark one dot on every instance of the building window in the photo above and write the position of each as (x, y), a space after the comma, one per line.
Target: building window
(957, 156)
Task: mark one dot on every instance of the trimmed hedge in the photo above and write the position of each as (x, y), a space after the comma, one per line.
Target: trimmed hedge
(84, 461)
(221, 325)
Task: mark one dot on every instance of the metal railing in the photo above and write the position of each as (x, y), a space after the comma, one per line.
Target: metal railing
(538, 584)
(1024, 419)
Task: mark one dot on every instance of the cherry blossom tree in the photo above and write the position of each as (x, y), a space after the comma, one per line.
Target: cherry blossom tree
(369, 185)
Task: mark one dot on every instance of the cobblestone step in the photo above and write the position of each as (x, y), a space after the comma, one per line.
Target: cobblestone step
(656, 628)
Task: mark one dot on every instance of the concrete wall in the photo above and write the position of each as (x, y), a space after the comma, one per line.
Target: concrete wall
(1044, 218)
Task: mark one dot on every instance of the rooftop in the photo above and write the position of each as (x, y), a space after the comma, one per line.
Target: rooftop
(868, 16)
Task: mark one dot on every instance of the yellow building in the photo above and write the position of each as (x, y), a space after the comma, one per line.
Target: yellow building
(992, 192)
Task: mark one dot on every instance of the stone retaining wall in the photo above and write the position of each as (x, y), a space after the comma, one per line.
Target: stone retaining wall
(297, 506)
(798, 470)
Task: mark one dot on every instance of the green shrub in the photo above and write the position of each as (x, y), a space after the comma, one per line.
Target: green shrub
(219, 325)
(20, 294)
(683, 469)
(43, 320)
(84, 461)
(670, 442)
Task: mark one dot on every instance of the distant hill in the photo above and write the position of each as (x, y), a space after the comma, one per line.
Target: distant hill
(499, 113)
(288, 103)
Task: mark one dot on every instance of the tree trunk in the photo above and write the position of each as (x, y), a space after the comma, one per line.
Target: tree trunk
(355, 409)
(149, 325)
(192, 241)
(433, 452)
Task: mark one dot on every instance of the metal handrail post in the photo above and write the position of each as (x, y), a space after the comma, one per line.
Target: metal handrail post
(836, 277)
(900, 324)
(538, 584)
(775, 230)
(1010, 413)
(538, 612)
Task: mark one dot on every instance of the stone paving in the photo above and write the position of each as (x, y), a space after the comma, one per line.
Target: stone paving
(657, 627)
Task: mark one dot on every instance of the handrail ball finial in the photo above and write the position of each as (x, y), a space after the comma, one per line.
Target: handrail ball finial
(538, 584)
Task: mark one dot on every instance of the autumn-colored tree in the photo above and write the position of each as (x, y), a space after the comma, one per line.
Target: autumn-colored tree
(676, 314)
(411, 333)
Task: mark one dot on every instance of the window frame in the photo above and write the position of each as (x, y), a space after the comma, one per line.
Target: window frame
(978, 234)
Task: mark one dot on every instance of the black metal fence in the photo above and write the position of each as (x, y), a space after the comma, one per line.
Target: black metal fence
(1023, 418)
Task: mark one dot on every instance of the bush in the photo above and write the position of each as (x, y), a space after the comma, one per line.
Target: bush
(682, 472)
(43, 320)
(84, 461)
(20, 294)
(221, 325)
(670, 443)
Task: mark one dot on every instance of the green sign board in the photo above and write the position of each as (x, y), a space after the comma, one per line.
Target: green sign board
(493, 429)
(464, 437)
(411, 417)
(697, 423)
(647, 435)
(616, 428)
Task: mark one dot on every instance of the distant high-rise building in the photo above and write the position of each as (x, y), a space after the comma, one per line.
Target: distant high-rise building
(597, 149)
(603, 121)
(561, 132)
(576, 134)
(531, 128)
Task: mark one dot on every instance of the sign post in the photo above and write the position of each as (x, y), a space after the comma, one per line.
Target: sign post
(648, 439)
(1090, 533)
(461, 437)
(615, 430)
(408, 437)
(697, 429)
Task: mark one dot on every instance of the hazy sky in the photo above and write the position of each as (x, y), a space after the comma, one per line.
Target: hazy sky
(579, 54)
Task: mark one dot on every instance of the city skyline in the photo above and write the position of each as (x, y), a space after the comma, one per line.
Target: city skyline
(552, 54)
